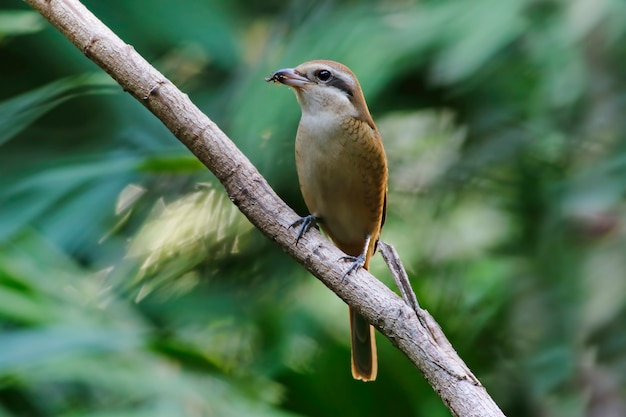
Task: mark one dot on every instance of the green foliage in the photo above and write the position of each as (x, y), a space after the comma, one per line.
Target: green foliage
(130, 286)
(19, 22)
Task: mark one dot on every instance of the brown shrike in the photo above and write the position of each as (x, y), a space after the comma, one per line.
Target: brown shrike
(342, 170)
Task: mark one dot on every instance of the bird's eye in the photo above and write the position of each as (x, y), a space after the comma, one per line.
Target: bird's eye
(323, 75)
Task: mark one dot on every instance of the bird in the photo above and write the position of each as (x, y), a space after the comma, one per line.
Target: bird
(342, 173)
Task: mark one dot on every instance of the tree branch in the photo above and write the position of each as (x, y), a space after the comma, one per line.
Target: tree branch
(426, 347)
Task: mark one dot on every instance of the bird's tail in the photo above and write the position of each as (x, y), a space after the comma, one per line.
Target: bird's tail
(364, 359)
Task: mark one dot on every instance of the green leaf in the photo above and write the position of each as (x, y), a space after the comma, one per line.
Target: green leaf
(32, 347)
(19, 112)
(20, 22)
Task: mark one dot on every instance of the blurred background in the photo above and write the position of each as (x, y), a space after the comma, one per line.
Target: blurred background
(130, 286)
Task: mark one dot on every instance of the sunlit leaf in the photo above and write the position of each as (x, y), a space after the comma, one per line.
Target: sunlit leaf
(199, 226)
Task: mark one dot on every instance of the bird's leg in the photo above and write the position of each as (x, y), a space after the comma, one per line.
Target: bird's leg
(357, 261)
(305, 224)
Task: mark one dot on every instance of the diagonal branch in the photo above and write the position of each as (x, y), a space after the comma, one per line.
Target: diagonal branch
(425, 346)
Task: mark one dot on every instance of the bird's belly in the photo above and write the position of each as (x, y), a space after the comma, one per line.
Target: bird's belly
(340, 210)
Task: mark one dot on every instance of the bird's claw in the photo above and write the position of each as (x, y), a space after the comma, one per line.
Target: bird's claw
(357, 262)
(306, 223)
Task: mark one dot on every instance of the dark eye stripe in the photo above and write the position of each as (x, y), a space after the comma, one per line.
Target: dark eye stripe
(341, 85)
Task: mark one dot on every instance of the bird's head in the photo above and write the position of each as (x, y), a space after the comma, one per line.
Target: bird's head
(325, 86)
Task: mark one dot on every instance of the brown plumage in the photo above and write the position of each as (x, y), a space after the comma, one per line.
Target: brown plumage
(342, 170)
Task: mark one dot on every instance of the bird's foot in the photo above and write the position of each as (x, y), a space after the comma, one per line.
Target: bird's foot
(357, 262)
(305, 224)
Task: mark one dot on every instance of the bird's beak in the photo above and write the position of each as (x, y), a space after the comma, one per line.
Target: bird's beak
(290, 77)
